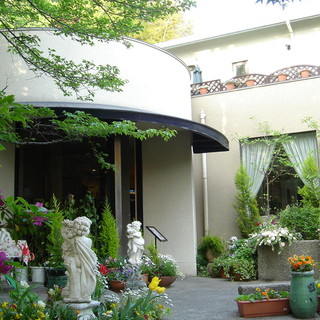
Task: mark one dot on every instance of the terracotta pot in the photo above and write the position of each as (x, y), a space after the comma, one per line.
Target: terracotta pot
(305, 73)
(116, 286)
(250, 83)
(282, 77)
(230, 86)
(145, 278)
(166, 281)
(203, 90)
(263, 308)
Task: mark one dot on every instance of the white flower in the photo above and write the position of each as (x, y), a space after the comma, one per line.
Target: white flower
(24, 284)
(41, 304)
(268, 241)
(282, 244)
(51, 292)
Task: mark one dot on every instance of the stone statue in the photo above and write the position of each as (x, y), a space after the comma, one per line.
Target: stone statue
(135, 243)
(79, 260)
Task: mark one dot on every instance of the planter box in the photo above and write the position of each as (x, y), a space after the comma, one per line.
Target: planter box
(275, 267)
(263, 308)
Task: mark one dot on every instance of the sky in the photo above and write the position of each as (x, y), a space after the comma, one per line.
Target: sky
(222, 16)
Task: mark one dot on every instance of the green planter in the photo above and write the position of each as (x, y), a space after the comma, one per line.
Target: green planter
(303, 294)
(55, 277)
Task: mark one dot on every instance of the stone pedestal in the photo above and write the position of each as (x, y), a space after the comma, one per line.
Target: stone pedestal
(85, 309)
(275, 267)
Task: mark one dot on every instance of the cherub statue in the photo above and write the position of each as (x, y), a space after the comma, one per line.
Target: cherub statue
(135, 243)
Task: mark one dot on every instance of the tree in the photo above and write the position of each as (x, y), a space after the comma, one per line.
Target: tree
(246, 205)
(172, 27)
(282, 3)
(86, 22)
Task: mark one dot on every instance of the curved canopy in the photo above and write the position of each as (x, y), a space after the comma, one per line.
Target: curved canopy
(204, 138)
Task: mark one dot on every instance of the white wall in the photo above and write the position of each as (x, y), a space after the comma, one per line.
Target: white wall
(158, 82)
(168, 198)
(264, 48)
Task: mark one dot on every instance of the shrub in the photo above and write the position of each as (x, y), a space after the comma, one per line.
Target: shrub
(303, 220)
(108, 238)
(211, 244)
(246, 205)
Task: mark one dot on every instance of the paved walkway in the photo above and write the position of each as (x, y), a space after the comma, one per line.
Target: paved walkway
(196, 298)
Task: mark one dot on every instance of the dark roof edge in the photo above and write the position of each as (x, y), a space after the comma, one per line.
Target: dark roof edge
(205, 138)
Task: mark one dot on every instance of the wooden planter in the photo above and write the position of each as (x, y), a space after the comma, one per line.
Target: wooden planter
(263, 308)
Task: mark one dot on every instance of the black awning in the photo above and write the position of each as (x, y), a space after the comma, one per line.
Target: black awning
(204, 138)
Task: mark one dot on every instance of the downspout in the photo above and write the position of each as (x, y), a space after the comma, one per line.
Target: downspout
(205, 183)
(290, 33)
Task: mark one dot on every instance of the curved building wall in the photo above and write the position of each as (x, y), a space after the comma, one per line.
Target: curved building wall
(158, 82)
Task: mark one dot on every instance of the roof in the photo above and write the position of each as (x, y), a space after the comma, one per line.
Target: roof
(204, 138)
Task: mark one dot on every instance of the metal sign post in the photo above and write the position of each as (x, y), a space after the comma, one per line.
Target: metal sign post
(157, 235)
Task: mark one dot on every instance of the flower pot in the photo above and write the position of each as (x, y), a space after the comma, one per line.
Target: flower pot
(116, 286)
(203, 90)
(55, 277)
(167, 281)
(21, 274)
(230, 86)
(263, 308)
(303, 294)
(282, 77)
(250, 82)
(304, 73)
(37, 274)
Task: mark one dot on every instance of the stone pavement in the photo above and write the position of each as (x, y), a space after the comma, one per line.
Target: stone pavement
(196, 298)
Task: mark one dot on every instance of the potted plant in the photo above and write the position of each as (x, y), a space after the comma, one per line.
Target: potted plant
(203, 89)
(303, 293)
(282, 77)
(211, 247)
(230, 84)
(263, 303)
(250, 82)
(164, 267)
(305, 73)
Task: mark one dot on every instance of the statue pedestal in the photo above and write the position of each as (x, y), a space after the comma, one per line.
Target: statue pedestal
(85, 309)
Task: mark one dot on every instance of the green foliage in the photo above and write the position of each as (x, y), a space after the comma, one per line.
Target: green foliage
(304, 220)
(310, 192)
(211, 244)
(171, 27)
(246, 205)
(108, 239)
(85, 22)
(262, 295)
(55, 239)
(282, 3)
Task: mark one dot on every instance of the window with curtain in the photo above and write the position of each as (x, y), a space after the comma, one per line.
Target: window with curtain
(275, 169)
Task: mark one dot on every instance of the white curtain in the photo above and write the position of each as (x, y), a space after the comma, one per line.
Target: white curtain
(256, 159)
(299, 148)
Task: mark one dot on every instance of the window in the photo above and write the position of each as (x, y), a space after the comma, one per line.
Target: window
(239, 68)
(274, 165)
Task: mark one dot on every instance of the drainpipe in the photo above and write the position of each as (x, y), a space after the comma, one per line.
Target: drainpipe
(288, 23)
(205, 183)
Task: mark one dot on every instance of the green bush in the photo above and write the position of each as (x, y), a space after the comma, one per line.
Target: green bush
(304, 220)
(108, 238)
(212, 244)
(246, 205)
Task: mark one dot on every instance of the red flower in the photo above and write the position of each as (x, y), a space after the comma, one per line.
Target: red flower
(103, 269)
(145, 316)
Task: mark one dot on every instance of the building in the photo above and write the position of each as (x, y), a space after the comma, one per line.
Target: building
(260, 54)
(153, 181)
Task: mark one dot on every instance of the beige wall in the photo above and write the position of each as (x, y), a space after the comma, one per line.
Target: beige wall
(282, 105)
(7, 161)
(168, 198)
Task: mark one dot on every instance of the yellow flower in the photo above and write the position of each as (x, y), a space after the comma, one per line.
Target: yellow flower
(5, 305)
(114, 305)
(161, 289)
(318, 285)
(17, 316)
(258, 289)
(154, 283)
